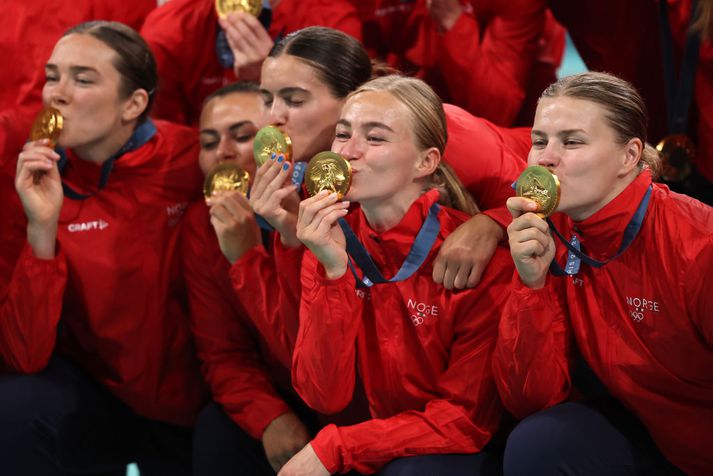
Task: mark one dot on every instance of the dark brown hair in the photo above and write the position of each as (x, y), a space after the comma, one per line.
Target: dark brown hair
(341, 61)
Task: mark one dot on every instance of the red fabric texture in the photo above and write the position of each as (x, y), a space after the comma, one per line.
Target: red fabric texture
(423, 353)
(487, 159)
(485, 63)
(236, 363)
(640, 322)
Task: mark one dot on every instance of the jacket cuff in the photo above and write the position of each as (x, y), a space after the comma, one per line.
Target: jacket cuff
(327, 445)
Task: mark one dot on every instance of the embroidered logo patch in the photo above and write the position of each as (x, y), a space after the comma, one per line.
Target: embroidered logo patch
(639, 308)
(419, 312)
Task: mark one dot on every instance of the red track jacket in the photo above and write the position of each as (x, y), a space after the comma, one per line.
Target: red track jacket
(182, 35)
(422, 352)
(485, 63)
(642, 323)
(123, 316)
(227, 342)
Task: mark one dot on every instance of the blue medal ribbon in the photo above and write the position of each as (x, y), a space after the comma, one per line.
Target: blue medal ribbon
(142, 134)
(575, 256)
(418, 253)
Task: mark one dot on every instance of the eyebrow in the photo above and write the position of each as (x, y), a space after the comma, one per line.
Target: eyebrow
(366, 125)
(232, 128)
(565, 132)
(73, 69)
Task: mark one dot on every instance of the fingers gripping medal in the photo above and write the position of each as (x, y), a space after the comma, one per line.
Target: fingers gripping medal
(271, 140)
(328, 171)
(226, 177)
(541, 186)
(226, 7)
(47, 125)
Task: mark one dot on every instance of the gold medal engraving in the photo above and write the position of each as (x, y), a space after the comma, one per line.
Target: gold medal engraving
(677, 155)
(226, 7)
(328, 171)
(226, 177)
(47, 125)
(541, 186)
(271, 140)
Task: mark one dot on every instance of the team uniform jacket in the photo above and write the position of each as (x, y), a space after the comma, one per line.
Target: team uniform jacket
(241, 379)
(487, 159)
(123, 317)
(182, 35)
(484, 63)
(642, 323)
(602, 32)
(422, 352)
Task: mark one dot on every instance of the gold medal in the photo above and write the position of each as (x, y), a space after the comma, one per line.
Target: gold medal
(226, 7)
(328, 171)
(541, 186)
(677, 155)
(226, 177)
(47, 125)
(271, 140)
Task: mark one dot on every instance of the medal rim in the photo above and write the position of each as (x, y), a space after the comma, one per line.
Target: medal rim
(551, 205)
(310, 185)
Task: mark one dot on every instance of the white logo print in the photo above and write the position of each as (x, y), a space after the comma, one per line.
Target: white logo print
(420, 311)
(638, 307)
(175, 212)
(86, 226)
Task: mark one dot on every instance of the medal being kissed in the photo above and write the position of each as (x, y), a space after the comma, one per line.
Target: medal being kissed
(226, 7)
(271, 140)
(542, 187)
(47, 125)
(226, 177)
(328, 171)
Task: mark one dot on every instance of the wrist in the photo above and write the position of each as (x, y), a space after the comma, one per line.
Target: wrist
(42, 238)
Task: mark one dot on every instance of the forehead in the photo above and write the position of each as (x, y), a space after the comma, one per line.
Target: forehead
(234, 107)
(287, 71)
(377, 106)
(564, 113)
(83, 50)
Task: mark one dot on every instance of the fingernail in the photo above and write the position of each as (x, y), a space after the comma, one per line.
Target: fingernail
(285, 166)
(272, 156)
(280, 159)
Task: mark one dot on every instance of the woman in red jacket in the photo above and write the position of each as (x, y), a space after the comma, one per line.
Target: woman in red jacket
(634, 307)
(124, 383)
(255, 420)
(422, 352)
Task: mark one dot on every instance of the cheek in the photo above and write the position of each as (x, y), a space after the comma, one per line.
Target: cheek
(206, 161)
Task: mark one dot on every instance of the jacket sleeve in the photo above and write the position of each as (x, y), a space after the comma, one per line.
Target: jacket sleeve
(267, 286)
(30, 308)
(484, 159)
(467, 411)
(231, 364)
(698, 296)
(532, 356)
(324, 361)
(488, 69)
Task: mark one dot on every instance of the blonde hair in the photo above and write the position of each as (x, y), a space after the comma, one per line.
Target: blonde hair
(625, 111)
(429, 122)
